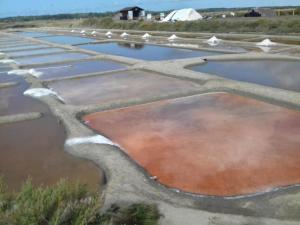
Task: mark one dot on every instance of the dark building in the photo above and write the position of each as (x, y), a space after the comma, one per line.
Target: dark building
(137, 13)
(252, 13)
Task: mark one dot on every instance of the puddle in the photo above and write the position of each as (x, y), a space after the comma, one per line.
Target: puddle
(36, 149)
(52, 58)
(68, 40)
(35, 52)
(273, 73)
(78, 68)
(146, 52)
(215, 144)
(115, 87)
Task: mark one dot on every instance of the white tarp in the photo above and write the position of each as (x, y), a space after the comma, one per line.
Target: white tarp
(183, 15)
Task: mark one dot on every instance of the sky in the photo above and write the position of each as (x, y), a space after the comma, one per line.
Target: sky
(42, 7)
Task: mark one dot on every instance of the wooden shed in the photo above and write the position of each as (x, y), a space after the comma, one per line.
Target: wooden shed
(134, 13)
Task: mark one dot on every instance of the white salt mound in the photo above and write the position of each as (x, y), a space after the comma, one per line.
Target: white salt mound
(32, 72)
(109, 33)
(94, 32)
(97, 139)
(213, 41)
(124, 35)
(41, 92)
(7, 61)
(72, 31)
(267, 42)
(146, 36)
(173, 37)
(82, 32)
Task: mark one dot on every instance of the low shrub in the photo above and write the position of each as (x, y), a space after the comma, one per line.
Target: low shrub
(67, 204)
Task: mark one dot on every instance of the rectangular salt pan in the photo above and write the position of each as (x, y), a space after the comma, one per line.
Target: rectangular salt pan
(78, 68)
(34, 52)
(69, 40)
(147, 52)
(25, 47)
(274, 73)
(51, 58)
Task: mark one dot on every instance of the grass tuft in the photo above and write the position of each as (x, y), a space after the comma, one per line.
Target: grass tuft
(67, 204)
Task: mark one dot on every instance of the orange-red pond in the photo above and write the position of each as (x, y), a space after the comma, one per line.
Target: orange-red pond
(215, 144)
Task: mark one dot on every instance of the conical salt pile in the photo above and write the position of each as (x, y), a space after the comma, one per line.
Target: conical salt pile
(72, 31)
(109, 33)
(82, 32)
(146, 36)
(94, 32)
(213, 41)
(172, 38)
(124, 35)
(267, 42)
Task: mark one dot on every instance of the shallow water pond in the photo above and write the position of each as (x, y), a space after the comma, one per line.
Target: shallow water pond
(274, 73)
(68, 40)
(147, 51)
(214, 144)
(78, 68)
(121, 86)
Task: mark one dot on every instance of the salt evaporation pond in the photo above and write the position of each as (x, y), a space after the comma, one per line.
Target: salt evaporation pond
(52, 58)
(147, 51)
(274, 73)
(34, 52)
(33, 34)
(118, 87)
(214, 144)
(24, 47)
(78, 68)
(68, 40)
(35, 149)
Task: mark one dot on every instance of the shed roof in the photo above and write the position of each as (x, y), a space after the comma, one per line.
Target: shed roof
(130, 8)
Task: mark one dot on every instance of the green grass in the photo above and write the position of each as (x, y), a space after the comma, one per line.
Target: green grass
(276, 25)
(66, 204)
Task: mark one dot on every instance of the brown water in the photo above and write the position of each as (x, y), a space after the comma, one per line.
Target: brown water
(122, 86)
(36, 149)
(215, 144)
(12, 100)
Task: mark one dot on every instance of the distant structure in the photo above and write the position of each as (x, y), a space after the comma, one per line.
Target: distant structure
(132, 13)
(266, 12)
(252, 13)
(183, 15)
